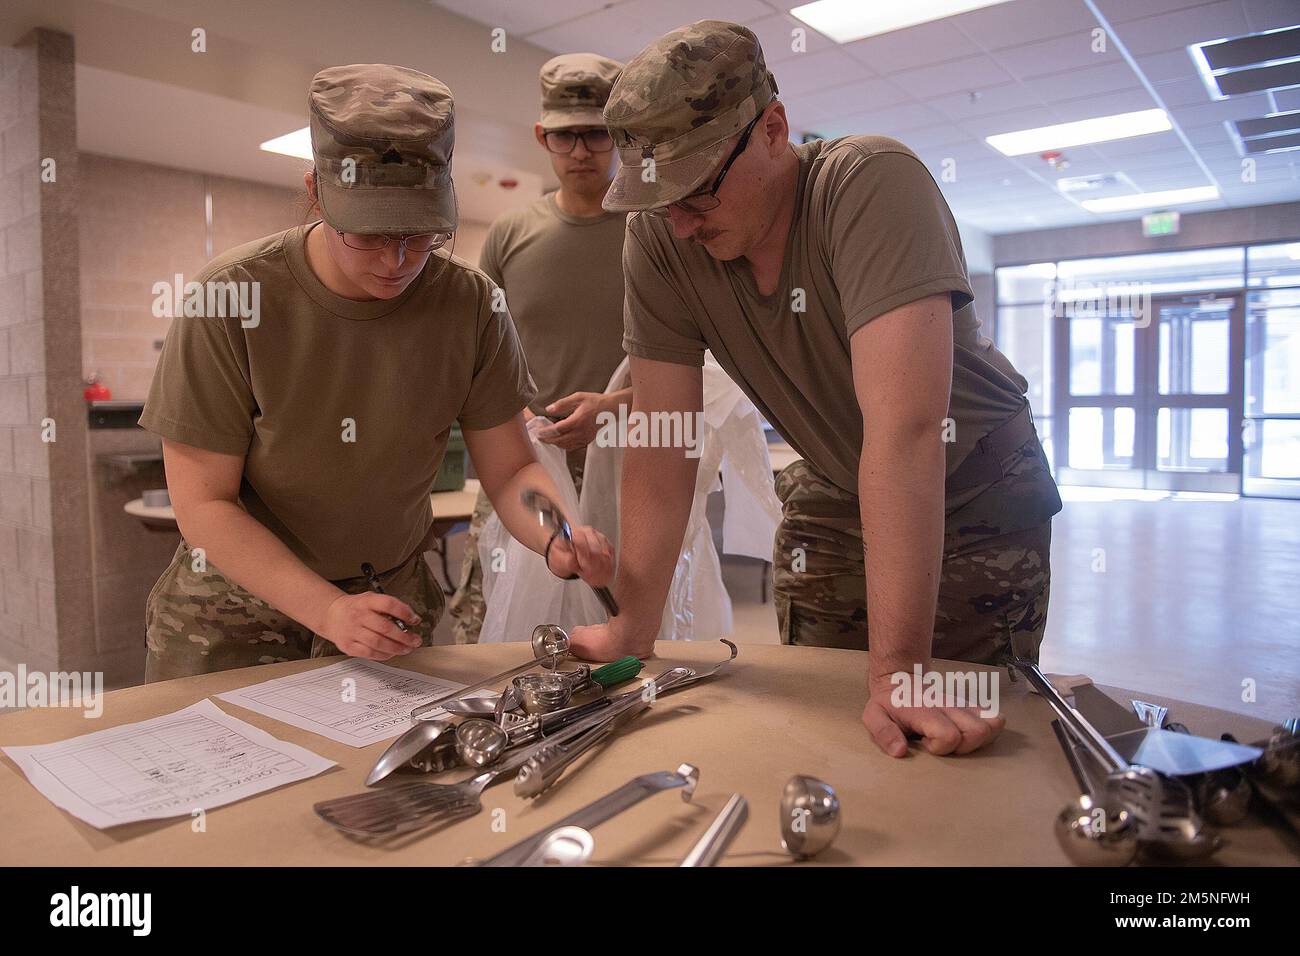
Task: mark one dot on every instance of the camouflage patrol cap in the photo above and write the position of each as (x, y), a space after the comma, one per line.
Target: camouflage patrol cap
(382, 138)
(679, 101)
(575, 87)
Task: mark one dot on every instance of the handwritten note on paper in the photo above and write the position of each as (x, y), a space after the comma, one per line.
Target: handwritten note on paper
(355, 702)
(194, 759)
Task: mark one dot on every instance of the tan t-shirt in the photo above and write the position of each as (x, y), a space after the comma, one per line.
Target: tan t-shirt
(871, 232)
(341, 409)
(563, 280)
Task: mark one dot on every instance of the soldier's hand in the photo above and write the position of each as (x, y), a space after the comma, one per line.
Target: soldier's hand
(579, 427)
(359, 626)
(591, 557)
(608, 642)
(941, 730)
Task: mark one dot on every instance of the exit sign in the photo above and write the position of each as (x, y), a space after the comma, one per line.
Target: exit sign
(1160, 224)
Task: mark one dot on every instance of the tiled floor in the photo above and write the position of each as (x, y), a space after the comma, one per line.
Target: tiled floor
(1195, 598)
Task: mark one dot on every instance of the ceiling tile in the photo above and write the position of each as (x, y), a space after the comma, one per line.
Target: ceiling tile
(996, 99)
(1208, 135)
(1110, 78)
(972, 73)
(623, 30)
(1154, 181)
(1171, 65)
(1165, 159)
(1170, 31)
(1189, 92)
(858, 96)
(892, 121)
(1235, 107)
(521, 18)
(1121, 11)
(1271, 14)
(939, 135)
(1055, 56)
(775, 37)
(814, 72)
(1012, 122)
(1023, 21)
(1106, 104)
(1136, 145)
(921, 45)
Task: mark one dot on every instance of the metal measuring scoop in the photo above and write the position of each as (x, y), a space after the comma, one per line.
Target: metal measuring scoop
(550, 517)
(480, 742)
(810, 816)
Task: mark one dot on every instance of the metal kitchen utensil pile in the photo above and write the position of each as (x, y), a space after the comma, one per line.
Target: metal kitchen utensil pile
(1094, 829)
(400, 809)
(1226, 797)
(550, 646)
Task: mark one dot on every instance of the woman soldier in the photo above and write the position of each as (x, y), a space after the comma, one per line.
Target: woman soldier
(302, 433)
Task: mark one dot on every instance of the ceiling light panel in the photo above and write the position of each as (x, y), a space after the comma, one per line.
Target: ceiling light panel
(847, 20)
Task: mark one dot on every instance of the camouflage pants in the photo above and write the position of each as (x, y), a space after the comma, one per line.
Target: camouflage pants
(198, 622)
(993, 583)
(467, 606)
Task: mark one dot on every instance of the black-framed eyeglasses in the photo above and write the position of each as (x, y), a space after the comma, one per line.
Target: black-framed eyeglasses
(422, 242)
(707, 199)
(595, 140)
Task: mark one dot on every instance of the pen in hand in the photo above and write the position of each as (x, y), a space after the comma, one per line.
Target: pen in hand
(368, 570)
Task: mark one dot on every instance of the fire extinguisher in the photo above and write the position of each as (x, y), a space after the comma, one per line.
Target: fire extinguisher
(96, 391)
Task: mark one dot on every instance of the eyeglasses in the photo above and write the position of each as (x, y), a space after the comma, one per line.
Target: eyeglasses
(701, 202)
(563, 140)
(423, 242)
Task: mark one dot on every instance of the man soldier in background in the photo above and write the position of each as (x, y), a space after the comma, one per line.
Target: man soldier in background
(559, 262)
(828, 279)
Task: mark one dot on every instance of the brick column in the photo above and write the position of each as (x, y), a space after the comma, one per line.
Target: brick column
(46, 604)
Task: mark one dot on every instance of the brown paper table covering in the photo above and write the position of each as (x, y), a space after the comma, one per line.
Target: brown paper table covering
(773, 712)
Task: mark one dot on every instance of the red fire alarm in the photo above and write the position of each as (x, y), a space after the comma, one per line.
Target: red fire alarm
(96, 391)
(1054, 159)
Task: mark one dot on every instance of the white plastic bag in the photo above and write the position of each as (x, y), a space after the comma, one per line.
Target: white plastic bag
(519, 591)
(698, 606)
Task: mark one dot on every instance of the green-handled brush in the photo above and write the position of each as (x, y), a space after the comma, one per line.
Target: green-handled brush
(616, 672)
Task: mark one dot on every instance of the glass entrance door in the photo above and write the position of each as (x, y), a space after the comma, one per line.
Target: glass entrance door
(1153, 390)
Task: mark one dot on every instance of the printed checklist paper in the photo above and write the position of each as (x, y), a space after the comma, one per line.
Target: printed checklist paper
(194, 759)
(355, 702)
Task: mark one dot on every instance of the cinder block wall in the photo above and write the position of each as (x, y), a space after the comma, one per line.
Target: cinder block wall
(45, 561)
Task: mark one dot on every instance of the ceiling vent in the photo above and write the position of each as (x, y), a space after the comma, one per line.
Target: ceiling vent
(1274, 133)
(1249, 64)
